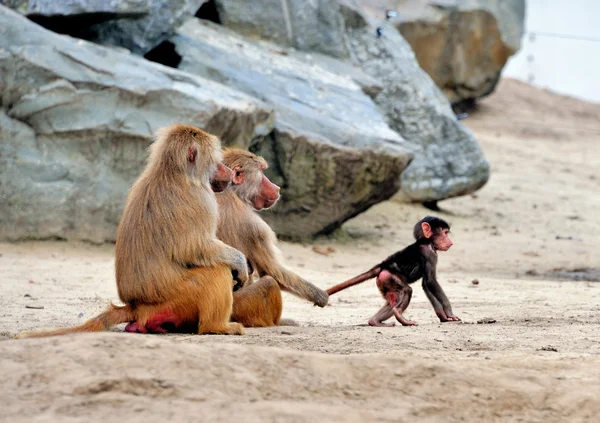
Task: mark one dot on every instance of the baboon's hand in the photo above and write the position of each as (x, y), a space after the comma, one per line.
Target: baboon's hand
(237, 283)
(320, 297)
(239, 267)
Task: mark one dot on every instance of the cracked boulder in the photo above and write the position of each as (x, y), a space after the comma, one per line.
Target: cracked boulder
(332, 151)
(75, 123)
(305, 25)
(448, 160)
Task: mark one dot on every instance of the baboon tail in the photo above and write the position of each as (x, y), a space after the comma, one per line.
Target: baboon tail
(104, 321)
(355, 280)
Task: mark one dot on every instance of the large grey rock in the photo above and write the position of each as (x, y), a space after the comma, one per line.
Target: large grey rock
(332, 151)
(305, 25)
(110, 9)
(76, 120)
(142, 35)
(447, 158)
(462, 44)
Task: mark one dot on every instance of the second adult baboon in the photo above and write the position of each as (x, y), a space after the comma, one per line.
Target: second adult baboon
(169, 264)
(258, 304)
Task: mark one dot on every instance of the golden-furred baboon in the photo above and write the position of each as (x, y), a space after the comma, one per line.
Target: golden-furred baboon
(170, 266)
(258, 304)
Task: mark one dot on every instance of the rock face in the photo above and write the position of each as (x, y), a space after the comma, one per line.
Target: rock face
(305, 25)
(50, 8)
(137, 25)
(142, 35)
(447, 158)
(332, 151)
(338, 117)
(462, 44)
(76, 120)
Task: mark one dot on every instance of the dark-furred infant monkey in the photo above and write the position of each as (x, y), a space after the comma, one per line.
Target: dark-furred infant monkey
(395, 273)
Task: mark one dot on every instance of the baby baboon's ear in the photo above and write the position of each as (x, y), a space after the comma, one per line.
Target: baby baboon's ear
(427, 232)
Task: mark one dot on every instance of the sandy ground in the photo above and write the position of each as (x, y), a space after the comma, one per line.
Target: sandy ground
(528, 237)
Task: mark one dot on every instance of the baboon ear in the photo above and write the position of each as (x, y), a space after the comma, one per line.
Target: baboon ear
(238, 176)
(427, 232)
(192, 153)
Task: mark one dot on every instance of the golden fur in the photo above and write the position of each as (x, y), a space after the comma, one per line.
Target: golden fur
(168, 258)
(242, 228)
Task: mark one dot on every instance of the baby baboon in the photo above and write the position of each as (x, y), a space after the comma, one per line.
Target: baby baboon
(418, 260)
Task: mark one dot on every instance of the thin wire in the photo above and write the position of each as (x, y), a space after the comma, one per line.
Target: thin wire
(565, 36)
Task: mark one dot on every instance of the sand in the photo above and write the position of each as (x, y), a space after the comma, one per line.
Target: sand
(528, 348)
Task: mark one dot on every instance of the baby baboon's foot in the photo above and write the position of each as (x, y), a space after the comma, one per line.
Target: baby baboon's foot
(381, 324)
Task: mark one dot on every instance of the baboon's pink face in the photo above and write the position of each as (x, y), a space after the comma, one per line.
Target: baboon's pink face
(267, 196)
(254, 186)
(442, 240)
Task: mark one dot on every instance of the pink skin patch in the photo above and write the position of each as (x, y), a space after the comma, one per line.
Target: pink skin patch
(391, 297)
(162, 322)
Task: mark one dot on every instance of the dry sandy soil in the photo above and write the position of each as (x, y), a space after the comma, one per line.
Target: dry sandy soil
(528, 348)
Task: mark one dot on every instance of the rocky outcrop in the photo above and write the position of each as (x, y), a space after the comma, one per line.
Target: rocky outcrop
(76, 120)
(305, 25)
(142, 35)
(464, 44)
(338, 116)
(110, 9)
(137, 25)
(332, 151)
(447, 158)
